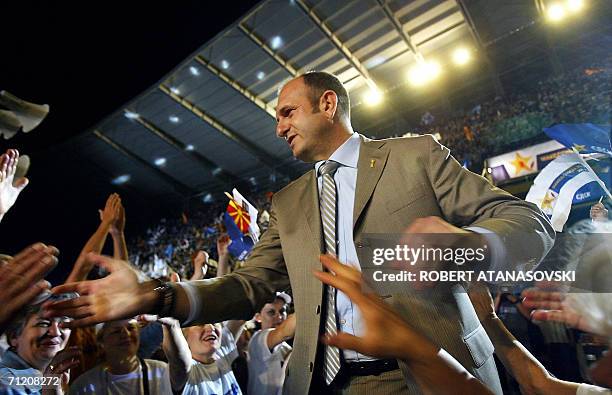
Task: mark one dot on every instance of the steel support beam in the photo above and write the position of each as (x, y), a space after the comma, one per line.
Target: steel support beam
(274, 55)
(261, 155)
(499, 88)
(399, 28)
(223, 177)
(352, 59)
(179, 186)
(237, 87)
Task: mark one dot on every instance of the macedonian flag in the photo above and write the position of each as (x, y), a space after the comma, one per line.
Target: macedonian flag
(240, 216)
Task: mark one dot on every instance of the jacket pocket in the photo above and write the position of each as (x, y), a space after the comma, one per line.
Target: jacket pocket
(479, 346)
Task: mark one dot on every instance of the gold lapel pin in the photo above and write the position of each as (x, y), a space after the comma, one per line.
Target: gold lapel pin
(372, 163)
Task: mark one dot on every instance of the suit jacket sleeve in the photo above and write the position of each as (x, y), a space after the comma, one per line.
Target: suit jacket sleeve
(520, 234)
(242, 293)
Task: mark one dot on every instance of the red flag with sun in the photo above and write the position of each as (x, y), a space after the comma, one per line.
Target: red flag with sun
(240, 215)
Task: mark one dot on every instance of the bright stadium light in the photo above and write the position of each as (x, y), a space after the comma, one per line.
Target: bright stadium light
(555, 12)
(131, 115)
(189, 147)
(175, 90)
(372, 97)
(423, 73)
(122, 179)
(574, 5)
(160, 161)
(174, 119)
(461, 56)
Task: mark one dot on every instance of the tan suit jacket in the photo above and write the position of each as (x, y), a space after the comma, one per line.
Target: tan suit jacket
(411, 178)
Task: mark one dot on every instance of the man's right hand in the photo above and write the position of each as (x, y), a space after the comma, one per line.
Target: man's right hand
(116, 296)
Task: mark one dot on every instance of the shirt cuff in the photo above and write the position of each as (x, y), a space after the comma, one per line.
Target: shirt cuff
(194, 302)
(496, 247)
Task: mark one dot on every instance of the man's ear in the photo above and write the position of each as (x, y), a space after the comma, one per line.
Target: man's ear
(329, 103)
(258, 317)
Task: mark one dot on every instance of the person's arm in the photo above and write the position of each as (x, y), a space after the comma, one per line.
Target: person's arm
(200, 265)
(518, 231)
(9, 187)
(387, 335)
(176, 349)
(283, 332)
(82, 266)
(223, 266)
(117, 232)
(237, 295)
(531, 375)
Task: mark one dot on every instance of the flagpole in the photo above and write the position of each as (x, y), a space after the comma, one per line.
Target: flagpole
(590, 170)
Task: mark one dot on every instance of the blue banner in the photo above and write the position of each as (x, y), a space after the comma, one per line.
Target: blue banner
(586, 138)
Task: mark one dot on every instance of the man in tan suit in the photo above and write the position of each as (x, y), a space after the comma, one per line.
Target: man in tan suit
(391, 184)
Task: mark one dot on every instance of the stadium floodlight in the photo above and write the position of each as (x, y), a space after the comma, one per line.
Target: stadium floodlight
(122, 179)
(160, 161)
(225, 64)
(175, 90)
(131, 115)
(189, 147)
(574, 5)
(276, 42)
(174, 119)
(424, 72)
(372, 97)
(194, 71)
(555, 12)
(461, 56)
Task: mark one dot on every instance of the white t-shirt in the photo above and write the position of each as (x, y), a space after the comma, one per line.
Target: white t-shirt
(587, 389)
(266, 369)
(100, 381)
(215, 378)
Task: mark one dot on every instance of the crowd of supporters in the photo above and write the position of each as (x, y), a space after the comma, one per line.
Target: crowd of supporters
(503, 124)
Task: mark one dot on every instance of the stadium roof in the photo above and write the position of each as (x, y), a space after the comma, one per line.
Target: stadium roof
(208, 125)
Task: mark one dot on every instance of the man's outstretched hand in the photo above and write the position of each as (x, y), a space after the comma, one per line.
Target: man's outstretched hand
(116, 296)
(10, 188)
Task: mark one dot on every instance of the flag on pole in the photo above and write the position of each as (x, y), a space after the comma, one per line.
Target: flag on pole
(241, 245)
(563, 182)
(585, 138)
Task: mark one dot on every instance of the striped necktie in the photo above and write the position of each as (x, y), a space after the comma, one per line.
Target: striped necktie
(328, 220)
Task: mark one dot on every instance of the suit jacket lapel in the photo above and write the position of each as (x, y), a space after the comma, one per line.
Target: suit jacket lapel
(309, 206)
(372, 159)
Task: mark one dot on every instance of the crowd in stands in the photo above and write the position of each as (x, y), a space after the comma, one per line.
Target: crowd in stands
(153, 355)
(503, 124)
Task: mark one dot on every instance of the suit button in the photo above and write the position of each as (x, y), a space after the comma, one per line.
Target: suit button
(318, 310)
(359, 244)
(310, 366)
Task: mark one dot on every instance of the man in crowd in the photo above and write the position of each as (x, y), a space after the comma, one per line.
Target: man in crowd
(357, 187)
(36, 349)
(268, 350)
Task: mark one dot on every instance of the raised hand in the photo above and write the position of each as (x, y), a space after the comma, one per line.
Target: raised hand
(223, 243)
(116, 296)
(111, 209)
(380, 319)
(554, 306)
(61, 365)
(21, 279)
(10, 188)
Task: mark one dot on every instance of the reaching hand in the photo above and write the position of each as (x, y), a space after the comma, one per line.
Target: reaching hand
(21, 279)
(380, 319)
(9, 187)
(116, 296)
(553, 306)
(223, 243)
(61, 364)
(200, 259)
(166, 321)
